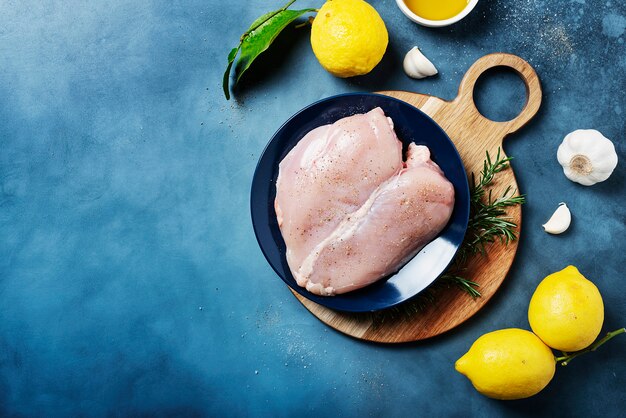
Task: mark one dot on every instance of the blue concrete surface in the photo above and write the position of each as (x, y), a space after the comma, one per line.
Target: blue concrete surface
(130, 280)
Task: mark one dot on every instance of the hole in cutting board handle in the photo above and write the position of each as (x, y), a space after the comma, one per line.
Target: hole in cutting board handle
(465, 99)
(500, 94)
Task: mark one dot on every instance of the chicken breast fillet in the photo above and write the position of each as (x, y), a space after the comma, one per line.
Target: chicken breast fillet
(350, 210)
(330, 173)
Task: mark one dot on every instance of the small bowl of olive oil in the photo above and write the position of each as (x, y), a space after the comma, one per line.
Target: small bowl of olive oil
(436, 13)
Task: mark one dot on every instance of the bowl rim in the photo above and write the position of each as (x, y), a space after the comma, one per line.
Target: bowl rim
(435, 23)
(255, 226)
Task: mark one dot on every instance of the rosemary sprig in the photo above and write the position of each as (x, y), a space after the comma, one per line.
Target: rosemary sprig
(462, 283)
(488, 220)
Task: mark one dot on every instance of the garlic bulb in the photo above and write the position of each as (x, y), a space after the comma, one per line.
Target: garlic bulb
(559, 221)
(587, 157)
(416, 65)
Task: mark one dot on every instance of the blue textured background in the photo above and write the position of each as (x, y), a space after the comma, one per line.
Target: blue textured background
(130, 280)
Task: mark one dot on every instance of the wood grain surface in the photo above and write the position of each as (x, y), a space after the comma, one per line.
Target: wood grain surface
(473, 134)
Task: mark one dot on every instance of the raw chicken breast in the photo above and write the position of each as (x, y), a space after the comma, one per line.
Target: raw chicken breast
(330, 173)
(403, 215)
(350, 210)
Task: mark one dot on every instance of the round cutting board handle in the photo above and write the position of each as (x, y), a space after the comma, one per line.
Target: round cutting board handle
(533, 89)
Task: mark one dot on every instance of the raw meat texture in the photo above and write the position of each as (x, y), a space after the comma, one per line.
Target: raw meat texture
(403, 215)
(350, 210)
(329, 174)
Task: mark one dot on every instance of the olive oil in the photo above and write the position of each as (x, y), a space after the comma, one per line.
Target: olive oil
(436, 9)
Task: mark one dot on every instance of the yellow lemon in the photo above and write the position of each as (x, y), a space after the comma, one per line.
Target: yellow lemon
(348, 37)
(566, 310)
(508, 364)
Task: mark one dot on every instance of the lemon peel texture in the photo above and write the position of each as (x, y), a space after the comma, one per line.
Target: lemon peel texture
(348, 37)
(566, 311)
(508, 364)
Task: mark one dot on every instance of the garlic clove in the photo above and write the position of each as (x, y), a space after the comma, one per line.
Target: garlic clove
(559, 221)
(416, 65)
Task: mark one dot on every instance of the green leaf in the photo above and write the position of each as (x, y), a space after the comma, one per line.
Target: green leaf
(260, 38)
(231, 59)
(261, 20)
(270, 33)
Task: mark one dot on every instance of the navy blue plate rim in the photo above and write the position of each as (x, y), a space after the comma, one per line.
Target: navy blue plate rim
(348, 302)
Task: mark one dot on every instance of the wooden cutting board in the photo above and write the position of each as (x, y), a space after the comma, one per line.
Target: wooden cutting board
(473, 134)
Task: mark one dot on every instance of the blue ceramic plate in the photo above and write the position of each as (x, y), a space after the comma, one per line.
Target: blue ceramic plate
(411, 125)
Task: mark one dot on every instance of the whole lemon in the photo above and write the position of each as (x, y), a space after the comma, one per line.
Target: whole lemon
(508, 364)
(566, 310)
(348, 37)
